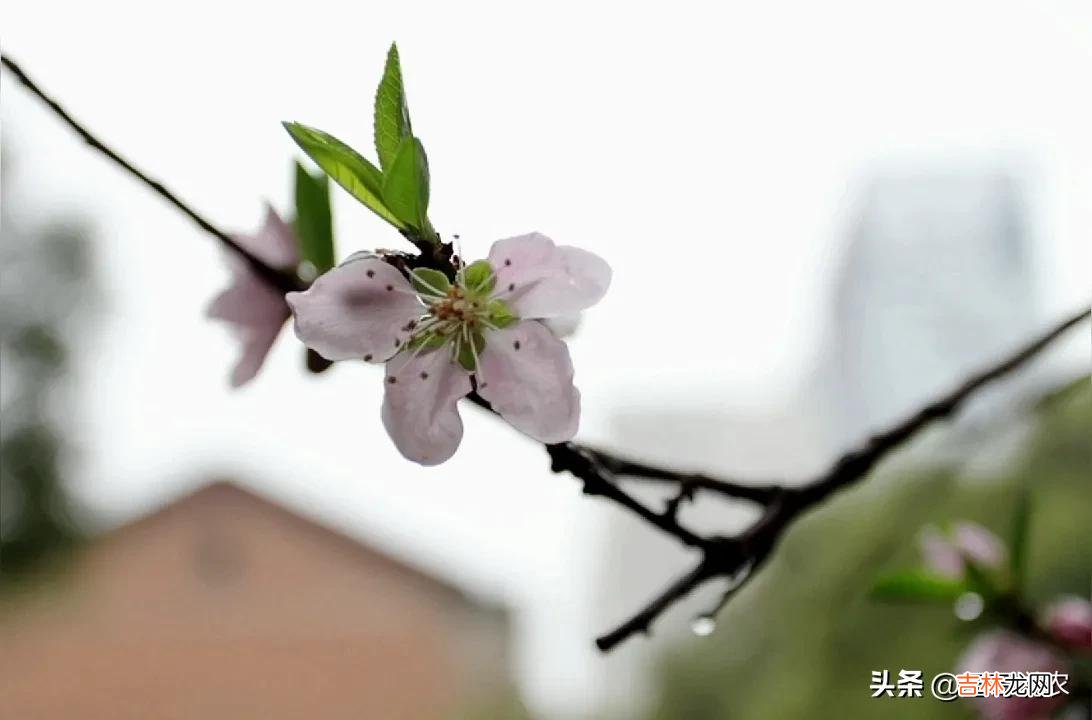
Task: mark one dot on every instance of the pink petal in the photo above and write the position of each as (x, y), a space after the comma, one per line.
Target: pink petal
(275, 244)
(979, 545)
(1070, 622)
(256, 314)
(420, 405)
(1003, 651)
(526, 375)
(940, 555)
(564, 325)
(357, 310)
(542, 280)
(255, 310)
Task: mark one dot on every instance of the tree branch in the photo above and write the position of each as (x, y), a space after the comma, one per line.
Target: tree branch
(283, 280)
(746, 553)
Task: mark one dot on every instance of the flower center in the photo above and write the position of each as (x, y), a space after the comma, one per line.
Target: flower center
(457, 315)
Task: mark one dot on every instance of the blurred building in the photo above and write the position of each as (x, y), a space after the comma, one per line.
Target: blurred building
(226, 605)
(936, 282)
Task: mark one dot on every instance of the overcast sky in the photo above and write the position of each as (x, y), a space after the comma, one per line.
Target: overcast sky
(711, 152)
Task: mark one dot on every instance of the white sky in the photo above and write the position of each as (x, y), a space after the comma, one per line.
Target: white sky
(730, 133)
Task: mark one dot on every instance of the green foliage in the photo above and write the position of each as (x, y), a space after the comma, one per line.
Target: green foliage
(314, 221)
(1018, 540)
(346, 166)
(405, 186)
(805, 635)
(399, 192)
(392, 123)
(917, 585)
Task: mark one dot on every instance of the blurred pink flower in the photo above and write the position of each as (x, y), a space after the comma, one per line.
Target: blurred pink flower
(435, 336)
(250, 305)
(1002, 651)
(1070, 622)
(947, 554)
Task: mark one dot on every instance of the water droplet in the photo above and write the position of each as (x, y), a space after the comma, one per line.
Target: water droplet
(968, 606)
(308, 272)
(703, 626)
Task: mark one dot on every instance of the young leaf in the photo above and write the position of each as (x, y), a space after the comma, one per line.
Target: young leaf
(917, 585)
(405, 187)
(314, 225)
(346, 166)
(392, 121)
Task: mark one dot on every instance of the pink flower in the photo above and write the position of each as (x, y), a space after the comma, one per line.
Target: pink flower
(1004, 652)
(1070, 622)
(436, 335)
(968, 541)
(255, 309)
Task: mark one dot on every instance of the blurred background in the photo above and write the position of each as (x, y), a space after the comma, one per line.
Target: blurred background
(818, 216)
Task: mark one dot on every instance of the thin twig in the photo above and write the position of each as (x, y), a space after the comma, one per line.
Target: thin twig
(761, 494)
(598, 481)
(284, 280)
(642, 621)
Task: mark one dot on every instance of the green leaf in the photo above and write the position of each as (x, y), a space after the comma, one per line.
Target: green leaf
(392, 122)
(917, 585)
(405, 187)
(427, 281)
(465, 354)
(314, 224)
(500, 314)
(1018, 542)
(479, 278)
(347, 167)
